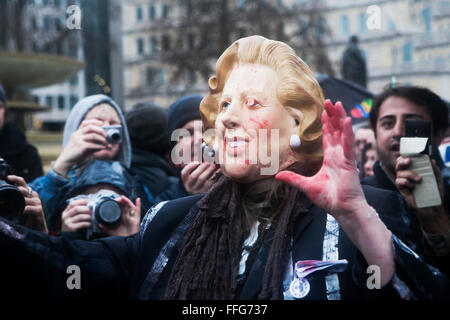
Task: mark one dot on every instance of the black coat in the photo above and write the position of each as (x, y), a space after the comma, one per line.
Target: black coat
(22, 157)
(153, 171)
(135, 267)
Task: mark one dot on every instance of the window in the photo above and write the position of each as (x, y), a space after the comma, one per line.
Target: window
(61, 102)
(362, 22)
(165, 42)
(49, 101)
(150, 76)
(152, 12)
(189, 8)
(34, 26)
(153, 45)
(139, 14)
(165, 11)
(407, 52)
(46, 23)
(394, 56)
(58, 24)
(426, 15)
(390, 25)
(345, 25)
(321, 28)
(161, 77)
(140, 46)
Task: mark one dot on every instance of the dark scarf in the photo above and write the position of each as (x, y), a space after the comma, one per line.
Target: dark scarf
(208, 262)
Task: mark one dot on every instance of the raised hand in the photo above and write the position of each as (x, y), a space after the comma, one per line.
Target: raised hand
(196, 177)
(336, 187)
(337, 190)
(85, 141)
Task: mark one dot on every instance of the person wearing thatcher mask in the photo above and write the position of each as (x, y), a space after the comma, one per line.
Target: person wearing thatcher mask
(299, 226)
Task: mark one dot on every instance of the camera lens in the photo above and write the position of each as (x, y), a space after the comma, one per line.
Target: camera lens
(108, 212)
(12, 202)
(114, 137)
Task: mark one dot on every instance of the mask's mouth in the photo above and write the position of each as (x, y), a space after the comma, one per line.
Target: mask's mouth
(236, 142)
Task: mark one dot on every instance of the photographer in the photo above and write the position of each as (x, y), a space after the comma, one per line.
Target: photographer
(22, 157)
(85, 216)
(194, 177)
(389, 112)
(85, 139)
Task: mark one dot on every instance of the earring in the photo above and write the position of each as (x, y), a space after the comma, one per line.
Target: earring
(295, 142)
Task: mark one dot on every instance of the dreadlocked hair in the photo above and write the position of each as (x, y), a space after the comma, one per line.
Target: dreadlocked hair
(208, 261)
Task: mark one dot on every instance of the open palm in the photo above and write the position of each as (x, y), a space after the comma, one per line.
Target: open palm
(336, 187)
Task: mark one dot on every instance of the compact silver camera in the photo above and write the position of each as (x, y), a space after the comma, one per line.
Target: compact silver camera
(105, 210)
(113, 134)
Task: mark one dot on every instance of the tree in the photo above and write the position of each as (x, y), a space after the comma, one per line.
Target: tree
(20, 31)
(205, 28)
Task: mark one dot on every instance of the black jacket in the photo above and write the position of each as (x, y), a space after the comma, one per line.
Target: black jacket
(138, 267)
(153, 171)
(21, 156)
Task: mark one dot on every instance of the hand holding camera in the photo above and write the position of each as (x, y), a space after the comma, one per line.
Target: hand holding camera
(89, 138)
(103, 212)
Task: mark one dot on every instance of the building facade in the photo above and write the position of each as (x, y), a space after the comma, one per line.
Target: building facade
(406, 41)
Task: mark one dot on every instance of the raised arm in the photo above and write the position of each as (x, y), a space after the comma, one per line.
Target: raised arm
(337, 190)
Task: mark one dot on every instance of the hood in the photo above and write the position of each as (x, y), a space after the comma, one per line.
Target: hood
(97, 172)
(78, 113)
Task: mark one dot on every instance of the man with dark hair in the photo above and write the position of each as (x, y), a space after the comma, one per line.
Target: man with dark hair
(389, 112)
(22, 157)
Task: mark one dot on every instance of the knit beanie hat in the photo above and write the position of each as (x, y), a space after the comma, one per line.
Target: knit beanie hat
(147, 126)
(182, 111)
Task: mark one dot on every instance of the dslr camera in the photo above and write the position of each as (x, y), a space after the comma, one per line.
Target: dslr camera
(113, 134)
(12, 202)
(105, 210)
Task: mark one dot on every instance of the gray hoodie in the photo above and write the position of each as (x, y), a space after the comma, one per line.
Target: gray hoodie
(78, 113)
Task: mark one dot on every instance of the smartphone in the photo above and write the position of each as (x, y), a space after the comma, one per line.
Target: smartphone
(426, 193)
(422, 129)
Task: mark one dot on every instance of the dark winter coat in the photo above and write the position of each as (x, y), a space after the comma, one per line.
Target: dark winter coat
(22, 157)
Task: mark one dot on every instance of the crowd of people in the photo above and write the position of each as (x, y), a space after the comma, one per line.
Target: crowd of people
(141, 224)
